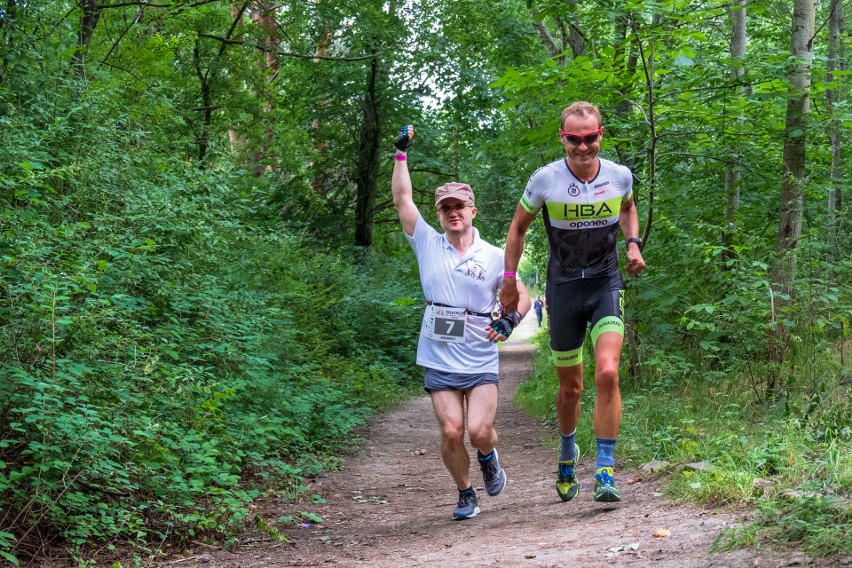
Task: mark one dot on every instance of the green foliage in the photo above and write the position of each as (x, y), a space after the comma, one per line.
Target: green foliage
(815, 511)
(797, 479)
(168, 355)
(180, 334)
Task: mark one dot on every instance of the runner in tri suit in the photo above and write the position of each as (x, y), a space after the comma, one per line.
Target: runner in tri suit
(460, 274)
(583, 199)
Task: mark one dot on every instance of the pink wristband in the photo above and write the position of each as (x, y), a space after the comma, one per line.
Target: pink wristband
(399, 157)
(512, 274)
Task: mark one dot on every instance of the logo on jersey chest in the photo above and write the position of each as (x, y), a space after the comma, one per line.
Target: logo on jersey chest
(573, 190)
(472, 268)
(601, 191)
(569, 215)
(587, 210)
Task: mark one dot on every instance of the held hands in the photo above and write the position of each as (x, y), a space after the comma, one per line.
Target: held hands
(503, 326)
(509, 294)
(405, 138)
(500, 329)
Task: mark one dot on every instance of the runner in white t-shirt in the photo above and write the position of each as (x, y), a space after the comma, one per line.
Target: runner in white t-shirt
(460, 274)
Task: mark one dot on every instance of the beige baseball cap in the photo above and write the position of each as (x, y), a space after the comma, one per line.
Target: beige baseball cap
(458, 190)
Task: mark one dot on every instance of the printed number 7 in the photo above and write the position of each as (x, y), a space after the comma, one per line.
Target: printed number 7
(450, 326)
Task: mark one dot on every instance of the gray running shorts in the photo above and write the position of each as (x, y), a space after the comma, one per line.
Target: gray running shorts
(440, 380)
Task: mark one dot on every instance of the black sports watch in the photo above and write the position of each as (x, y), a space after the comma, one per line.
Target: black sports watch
(636, 240)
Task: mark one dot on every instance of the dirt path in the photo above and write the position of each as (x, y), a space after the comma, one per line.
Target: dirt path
(392, 506)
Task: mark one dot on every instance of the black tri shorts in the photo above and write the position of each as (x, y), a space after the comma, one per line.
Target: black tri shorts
(575, 305)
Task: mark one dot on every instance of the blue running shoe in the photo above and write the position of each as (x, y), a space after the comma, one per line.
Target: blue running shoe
(567, 485)
(493, 476)
(468, 506)
(605, 490)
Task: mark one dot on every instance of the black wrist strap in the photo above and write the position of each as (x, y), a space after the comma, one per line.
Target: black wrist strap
(636, 240)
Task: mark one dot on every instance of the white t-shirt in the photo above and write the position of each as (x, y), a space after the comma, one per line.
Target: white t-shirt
(468, 282)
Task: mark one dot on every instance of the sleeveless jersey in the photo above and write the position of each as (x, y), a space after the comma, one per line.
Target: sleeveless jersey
(581, 218)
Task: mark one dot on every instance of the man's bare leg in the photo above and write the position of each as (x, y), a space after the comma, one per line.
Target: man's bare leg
(449, 410)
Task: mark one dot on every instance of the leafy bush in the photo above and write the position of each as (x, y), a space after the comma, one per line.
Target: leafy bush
(167, 355)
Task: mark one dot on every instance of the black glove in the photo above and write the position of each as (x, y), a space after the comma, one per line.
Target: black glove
(403, 141)
(504, 326)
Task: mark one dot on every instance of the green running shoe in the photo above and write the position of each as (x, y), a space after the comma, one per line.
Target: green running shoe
(567, 485)
(605, 490)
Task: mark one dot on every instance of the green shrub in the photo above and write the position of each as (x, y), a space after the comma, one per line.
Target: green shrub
(168, 356)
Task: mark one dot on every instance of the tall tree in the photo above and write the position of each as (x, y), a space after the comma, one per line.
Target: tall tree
(565, 18)
(256, 154)
(378, 23)
(733, 175)
(367, 156)
(649, 66)
(793, 177)
(263, 16)
(835, 95)
(319, 181)
(575, 38)
(91, 13)
(7, 35)
(207, 77)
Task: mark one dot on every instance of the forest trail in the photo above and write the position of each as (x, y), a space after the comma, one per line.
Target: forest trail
(392, 504)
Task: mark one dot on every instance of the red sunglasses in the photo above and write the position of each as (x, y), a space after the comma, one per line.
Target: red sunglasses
(577, 139)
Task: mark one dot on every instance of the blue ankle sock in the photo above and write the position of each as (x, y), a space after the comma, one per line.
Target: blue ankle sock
(567, 451)
(606, 453)
(483, 458)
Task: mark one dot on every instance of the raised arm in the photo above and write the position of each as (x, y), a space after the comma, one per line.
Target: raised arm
(509, 294)
(403, 198)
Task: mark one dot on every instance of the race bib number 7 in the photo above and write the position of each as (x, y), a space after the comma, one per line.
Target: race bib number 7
(446, 324)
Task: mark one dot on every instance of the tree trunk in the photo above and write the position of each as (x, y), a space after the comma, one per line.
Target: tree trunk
(367, 166)
(793, 180)
(834, 96)
(203, 138)
(623, 110)
(7, 23)
(648, 65)
(570, 33)
(206, 86)
(576, 38)
(547, 40)
(88, 22)
(320, 146)
(733, 175)
(263, 17)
